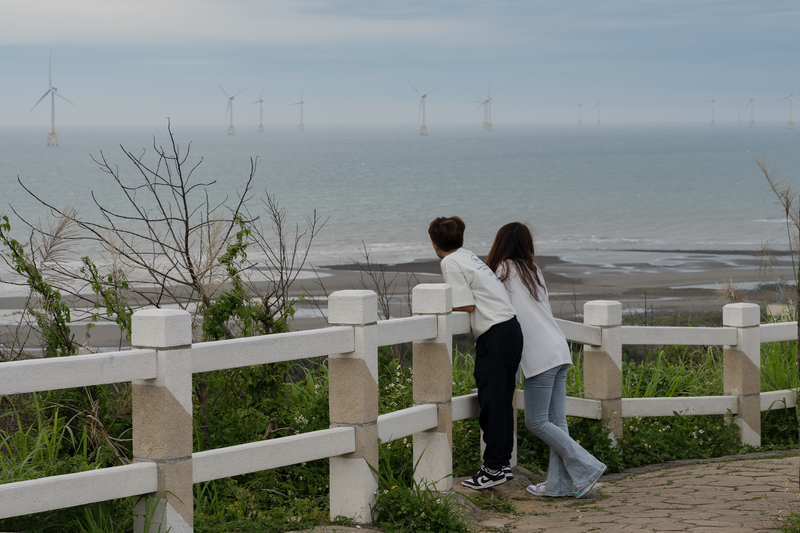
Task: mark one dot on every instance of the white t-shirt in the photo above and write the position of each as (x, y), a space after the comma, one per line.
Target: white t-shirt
(474, 283)
(544, 345)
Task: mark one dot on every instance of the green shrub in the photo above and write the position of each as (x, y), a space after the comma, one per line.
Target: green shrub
(406, 506)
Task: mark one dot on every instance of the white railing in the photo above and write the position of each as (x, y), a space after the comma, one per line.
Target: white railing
(163, 360)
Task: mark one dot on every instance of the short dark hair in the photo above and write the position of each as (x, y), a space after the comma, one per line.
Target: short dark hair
(447, 233)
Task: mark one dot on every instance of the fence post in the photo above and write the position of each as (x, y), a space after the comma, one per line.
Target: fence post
(742, 368)
(162, 420)
(433, 384)
(353, 382)
(602, 365)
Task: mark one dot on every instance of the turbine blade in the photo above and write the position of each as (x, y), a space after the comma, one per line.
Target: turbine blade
(412, 85)
(237, 94)
(223, 90)
(419, 114)
(50, 71)
(62, 97)
(782, 99)
(37, 103)
(429, 92)
(261, 96)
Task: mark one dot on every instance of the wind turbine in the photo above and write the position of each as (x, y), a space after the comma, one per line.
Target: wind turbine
(597, 105)
(424, 129)
(580, 112)
(486, 104)
(713, 101)
(300, 103)
(752, 107)
(229, 109)
(739, 112)
(790, 96)
(260, 103)
(52, 138)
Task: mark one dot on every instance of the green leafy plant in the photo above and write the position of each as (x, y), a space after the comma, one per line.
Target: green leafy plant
(51, 313)
(412, 507)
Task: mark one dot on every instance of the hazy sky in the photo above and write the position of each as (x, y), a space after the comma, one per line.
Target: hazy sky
(140, 61)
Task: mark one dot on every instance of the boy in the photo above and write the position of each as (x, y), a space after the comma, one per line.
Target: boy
(477, 291)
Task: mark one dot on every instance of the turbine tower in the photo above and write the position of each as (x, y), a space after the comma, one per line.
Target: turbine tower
(300, 103)
(751, 106)
(738, 107)
(260, 103)
(229, 109)
(790, 96)
(486, 104)
(52, 137)
(424, 129)
(580, 112)
(713, 101)
(597, 105)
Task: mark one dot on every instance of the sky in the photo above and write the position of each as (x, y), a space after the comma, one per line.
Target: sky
(137, 62)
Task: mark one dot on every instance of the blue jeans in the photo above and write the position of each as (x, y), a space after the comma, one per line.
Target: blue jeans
(571, 467)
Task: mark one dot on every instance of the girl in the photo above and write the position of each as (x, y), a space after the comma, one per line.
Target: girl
(545, 360)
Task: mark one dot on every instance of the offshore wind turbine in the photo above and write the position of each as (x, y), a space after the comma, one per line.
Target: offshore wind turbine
(229, 109)
(752, 107)
(713, 101)
(260, 103)
(300, 103)
(580, 112)
(486, 104)
(597, 105)
(738, 106)
(790, 96)
(422, 97)
(52, 138)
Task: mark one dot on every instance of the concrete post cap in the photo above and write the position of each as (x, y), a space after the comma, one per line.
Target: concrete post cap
(161, 328)
(431, 298)
(740, 315)
(352, 308)
(602, 313)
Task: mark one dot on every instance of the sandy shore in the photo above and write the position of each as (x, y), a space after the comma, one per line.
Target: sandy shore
(663, 282)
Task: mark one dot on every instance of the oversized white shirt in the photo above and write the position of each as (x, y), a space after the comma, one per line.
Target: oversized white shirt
(544, 345)
(474, 283)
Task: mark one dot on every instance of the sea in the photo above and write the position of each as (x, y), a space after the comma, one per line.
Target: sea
(591, 193)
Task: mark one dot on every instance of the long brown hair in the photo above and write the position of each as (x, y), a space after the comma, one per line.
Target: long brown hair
(514, 242)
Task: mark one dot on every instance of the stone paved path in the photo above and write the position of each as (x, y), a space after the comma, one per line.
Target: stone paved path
(736, 496)
(740, 495)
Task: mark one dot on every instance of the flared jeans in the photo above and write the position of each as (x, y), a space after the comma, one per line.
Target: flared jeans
(571, 467)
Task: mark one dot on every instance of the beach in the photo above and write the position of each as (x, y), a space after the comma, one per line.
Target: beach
(662, 282)
(652, 283)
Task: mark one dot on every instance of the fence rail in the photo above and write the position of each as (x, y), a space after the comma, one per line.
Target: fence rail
(163, 360)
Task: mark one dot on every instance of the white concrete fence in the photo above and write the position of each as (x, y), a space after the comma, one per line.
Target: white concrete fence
(163, 359)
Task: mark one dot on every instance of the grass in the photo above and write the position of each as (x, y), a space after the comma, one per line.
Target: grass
(37, 439)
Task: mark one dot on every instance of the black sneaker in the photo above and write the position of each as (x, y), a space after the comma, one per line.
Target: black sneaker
(483, 479)
(507, 471)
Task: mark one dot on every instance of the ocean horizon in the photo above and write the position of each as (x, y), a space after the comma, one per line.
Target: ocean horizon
(586, 190)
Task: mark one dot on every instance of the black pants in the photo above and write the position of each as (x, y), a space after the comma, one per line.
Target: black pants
(497, 356)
